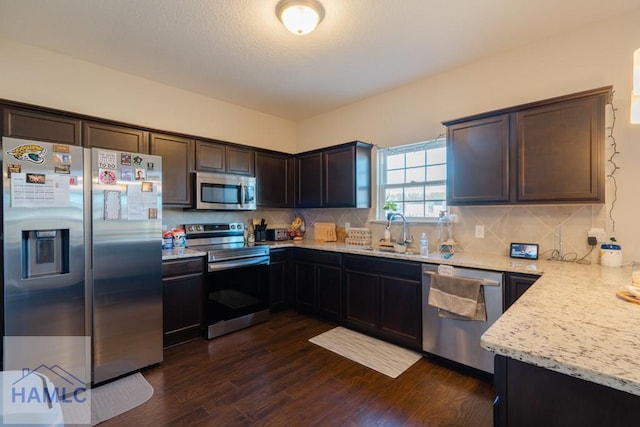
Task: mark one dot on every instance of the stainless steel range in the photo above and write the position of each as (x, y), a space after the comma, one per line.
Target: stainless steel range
(237, 278)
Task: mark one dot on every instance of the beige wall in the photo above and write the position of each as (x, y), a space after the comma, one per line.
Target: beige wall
(596, 56)
(41, 77)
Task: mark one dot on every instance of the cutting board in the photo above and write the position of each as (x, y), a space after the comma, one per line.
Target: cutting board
(624, 295)
(325, 231)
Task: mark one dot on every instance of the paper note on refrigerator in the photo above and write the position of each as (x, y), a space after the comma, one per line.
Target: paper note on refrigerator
(38, 190)
(112, 205)
(141, 198)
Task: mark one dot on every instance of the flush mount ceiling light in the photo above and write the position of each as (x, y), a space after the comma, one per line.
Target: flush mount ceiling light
(300, 16)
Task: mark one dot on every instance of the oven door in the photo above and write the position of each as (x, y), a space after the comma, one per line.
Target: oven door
(237, 294)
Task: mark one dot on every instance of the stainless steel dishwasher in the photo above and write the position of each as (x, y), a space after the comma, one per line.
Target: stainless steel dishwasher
(459, 340)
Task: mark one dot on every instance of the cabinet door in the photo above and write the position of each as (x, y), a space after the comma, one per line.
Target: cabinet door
(560, 151)
(115, 137)
(361, 301)
(182, 282)
(280, 272)
(400, 310)
(328, 282)
(240, 160)
(176, 168)
(478, 161)
(274, 180)
(210, 157)
(182, 313)
(40, 126)
(309, 180)
(516, 286)
(339, 177)
(347, 176)
(304, 294)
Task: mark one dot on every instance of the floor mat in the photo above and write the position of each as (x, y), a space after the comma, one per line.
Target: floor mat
(385, 358)
(115, 398)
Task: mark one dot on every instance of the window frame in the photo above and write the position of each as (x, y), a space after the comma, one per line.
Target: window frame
(382, 186)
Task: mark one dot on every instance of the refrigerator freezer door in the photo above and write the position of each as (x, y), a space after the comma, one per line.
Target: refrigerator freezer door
(43, 254)
(126, 262)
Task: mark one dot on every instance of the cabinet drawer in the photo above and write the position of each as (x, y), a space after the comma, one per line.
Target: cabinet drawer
(182, 267)
(318, 257)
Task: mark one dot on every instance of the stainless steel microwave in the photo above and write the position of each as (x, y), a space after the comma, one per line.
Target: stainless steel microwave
(224, 192)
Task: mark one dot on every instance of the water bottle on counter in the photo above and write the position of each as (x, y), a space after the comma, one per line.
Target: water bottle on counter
(424, 245)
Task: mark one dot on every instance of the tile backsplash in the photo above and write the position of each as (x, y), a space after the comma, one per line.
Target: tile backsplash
(539, 224)
(275, 218)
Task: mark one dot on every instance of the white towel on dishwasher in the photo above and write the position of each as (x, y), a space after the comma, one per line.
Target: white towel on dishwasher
(458, 297)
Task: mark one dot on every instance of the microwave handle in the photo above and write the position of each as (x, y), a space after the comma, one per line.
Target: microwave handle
(242, 200)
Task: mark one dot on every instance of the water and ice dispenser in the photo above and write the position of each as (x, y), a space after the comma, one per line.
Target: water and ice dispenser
(45, 252)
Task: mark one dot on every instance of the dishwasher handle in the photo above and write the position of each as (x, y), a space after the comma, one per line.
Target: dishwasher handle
(485, 282)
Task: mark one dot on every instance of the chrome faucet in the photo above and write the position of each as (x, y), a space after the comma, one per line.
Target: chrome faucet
(405, 240)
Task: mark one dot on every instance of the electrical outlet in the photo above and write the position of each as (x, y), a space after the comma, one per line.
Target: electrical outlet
(598, 233)
(480, 231)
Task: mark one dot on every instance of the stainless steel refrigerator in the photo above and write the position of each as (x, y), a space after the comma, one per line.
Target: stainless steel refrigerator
(82, 252)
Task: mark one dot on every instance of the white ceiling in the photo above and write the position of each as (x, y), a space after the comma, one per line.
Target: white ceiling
(237, 50)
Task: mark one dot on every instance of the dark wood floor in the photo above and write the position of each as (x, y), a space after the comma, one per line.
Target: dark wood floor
(271, 375)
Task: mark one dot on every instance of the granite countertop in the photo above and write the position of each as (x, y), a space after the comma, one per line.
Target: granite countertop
(569, 321)
(487, 262)
(459, 259)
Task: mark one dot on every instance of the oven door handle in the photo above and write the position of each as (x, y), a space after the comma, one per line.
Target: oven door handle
(246, 262)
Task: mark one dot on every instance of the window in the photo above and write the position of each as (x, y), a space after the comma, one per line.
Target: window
(414, 177)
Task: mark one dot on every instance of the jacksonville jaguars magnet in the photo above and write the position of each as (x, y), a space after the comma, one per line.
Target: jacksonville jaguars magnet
(33, 153)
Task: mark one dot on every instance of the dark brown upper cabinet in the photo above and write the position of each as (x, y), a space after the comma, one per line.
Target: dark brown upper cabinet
(338, 176)
(478, 161)
(111, 137)
(308, 180)
(561, 151)
(219, 157)
(210, 157)
(240, 160)
(274, 179)
(550, 151)
(41, 126)
(176, 152)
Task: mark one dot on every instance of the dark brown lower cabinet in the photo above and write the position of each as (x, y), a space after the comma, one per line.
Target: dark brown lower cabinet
(529, 395)
(516, 285)
(280, 278)
(318, 282)
(383, 298)
(183, 295)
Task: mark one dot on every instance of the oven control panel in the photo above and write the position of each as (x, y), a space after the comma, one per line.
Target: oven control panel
(225, 228)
